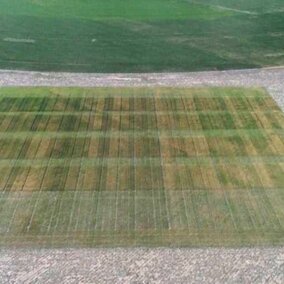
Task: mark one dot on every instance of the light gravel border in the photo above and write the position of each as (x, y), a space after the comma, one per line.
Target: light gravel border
(270, 78)
(145, 265)
(141, 265)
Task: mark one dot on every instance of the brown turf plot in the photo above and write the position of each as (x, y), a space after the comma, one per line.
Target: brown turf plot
(140, 166)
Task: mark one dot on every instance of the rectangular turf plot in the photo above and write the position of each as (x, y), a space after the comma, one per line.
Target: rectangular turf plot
(140, 166)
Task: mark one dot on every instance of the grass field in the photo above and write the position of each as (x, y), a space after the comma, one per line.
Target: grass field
(154, 167)
(140, 36)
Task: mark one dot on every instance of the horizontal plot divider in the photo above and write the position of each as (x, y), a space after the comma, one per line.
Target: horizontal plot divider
(155, 161)
(143, 133)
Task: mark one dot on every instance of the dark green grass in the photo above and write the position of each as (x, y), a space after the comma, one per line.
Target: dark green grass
(140, 167)
(146, 36)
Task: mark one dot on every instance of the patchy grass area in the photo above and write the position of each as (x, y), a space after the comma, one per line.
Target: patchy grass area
(140, 36)
(140, 166)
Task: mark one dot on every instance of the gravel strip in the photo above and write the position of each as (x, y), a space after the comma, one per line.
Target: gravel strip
(271, 78)
(143, 265)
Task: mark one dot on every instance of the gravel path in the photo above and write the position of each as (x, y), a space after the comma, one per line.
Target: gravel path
(271, 78)
(142, 265)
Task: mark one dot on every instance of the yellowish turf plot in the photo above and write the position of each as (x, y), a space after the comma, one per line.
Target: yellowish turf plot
(141, 166)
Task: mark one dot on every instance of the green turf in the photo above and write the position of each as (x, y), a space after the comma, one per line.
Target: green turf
(140, 36)
(140, 167)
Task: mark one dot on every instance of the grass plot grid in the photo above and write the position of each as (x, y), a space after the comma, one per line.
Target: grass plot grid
(140, 166)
